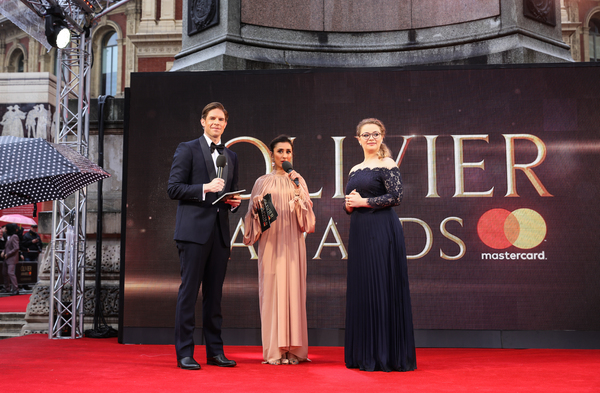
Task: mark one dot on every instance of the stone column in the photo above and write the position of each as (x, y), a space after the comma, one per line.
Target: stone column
(2, 52)
(32, 56)
(586, 43)
(132, 13)
(167, 15)
(148, 19)
(571, 27)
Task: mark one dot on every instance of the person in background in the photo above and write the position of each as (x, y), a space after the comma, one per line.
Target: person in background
(282, 258)
(31, 245)
(5, 288)
(2, 237)
(11, 257)
(379, 327)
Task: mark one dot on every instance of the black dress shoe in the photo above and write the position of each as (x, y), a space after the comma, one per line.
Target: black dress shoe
(221, 361)
(188, 363)
(13, 293)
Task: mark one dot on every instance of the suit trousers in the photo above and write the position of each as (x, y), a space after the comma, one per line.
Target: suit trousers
(204, 264)
(10, 277)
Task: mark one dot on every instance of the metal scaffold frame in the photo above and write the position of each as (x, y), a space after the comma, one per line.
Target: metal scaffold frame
(67, 248)
(67, 291)
(67, 280)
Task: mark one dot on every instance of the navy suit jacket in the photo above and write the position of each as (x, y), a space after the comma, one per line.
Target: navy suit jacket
(192, 167)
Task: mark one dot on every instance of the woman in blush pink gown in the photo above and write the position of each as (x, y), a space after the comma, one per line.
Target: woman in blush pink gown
(282, 258)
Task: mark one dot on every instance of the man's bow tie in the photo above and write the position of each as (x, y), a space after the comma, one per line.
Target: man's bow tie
(220, 148)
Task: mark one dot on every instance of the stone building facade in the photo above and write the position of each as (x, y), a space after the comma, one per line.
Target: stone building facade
(581, 28)
(153, 36)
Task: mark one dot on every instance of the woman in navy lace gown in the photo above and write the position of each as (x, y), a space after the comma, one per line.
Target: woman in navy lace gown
(379, 328)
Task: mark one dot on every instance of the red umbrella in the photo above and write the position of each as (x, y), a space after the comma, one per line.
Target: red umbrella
(17, 219)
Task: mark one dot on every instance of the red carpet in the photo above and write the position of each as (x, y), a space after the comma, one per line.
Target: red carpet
(36, 364)
(14, 303)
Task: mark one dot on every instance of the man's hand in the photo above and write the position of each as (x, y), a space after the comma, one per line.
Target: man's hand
(216, 185)
(234, 200)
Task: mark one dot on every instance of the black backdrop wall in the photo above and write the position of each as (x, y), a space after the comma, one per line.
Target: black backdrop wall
(500, 195)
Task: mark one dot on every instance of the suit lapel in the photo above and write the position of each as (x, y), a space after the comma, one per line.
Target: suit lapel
(210, 165)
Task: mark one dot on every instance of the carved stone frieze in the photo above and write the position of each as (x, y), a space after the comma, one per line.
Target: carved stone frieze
(158, 50)
(540, 10)
(202, 14)
(156, 45)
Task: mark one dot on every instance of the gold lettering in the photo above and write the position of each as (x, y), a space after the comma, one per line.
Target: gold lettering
(266, 156)
(339, 243)
(428, 237)
(339, 166)
(448, 235)
(459, 165)
(239, 229)
(511, 166)
(261, 146)
(431, 167)
(316, 195)
(402, 152)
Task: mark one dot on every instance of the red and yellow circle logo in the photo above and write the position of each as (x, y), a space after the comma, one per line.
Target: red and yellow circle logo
(523, 228)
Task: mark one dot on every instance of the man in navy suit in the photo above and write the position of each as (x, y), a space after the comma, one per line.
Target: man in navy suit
(202, 235)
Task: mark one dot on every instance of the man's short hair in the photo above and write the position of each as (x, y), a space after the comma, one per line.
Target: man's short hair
(214, 105)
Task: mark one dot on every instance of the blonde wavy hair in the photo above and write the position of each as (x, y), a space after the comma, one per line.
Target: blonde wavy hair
(384, 151)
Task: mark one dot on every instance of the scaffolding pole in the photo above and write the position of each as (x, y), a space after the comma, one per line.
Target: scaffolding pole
(67, 280)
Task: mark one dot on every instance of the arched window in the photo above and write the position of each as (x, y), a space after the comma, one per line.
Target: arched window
(16, 61)
(20, 63)
(594, 39)
(110, 52)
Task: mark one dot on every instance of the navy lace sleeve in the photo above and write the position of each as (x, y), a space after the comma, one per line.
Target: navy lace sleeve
(393, 186)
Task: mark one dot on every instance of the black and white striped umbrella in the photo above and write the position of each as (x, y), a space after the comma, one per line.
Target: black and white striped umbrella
(34, 170)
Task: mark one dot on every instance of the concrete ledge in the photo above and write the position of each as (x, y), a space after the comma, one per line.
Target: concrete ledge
(27, 87)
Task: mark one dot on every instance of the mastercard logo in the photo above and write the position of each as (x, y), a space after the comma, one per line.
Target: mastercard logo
(500, 229)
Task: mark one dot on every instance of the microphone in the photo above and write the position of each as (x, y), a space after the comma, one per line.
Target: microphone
(221, 161)
(287, 166)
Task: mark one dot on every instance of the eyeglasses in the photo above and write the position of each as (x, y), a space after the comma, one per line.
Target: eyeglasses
(366, 135)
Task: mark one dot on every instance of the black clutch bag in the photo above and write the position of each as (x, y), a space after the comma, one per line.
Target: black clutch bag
(267, 213)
